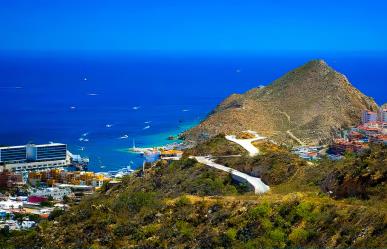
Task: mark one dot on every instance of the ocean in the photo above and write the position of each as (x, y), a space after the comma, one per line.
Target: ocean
(99, 104)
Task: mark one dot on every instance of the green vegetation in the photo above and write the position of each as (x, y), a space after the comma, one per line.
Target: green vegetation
(184, 204)
(274, 165)
(20, 239)
(217, 146)
(362, 176)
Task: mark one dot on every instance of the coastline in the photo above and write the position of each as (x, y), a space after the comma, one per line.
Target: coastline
(148, 141)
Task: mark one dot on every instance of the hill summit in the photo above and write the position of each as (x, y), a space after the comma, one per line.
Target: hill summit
(305, 106)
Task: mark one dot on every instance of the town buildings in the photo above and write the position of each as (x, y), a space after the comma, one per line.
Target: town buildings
(308, 152)
(10, 179)
(55, 193)
(373, 129)
(341, 146)
(54, 177)
(10, 204)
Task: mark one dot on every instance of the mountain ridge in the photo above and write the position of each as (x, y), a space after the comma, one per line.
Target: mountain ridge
(310, 103)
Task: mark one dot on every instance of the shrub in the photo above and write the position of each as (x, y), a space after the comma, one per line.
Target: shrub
(298, 236)
(304, 210)
(134, 201)
(262, 210)
(55, 213)
(278, 237)
(185, 229)
(231, 234)
(183, 201)
(150, 229)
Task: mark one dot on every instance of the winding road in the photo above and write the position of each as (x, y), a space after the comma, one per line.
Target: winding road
(247, 143)
(255, 182)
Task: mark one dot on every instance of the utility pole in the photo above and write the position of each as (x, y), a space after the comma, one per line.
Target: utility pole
(143, 167)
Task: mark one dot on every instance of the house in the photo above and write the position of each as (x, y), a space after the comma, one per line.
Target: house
(54, 192)
(9, 204)
(36, 199)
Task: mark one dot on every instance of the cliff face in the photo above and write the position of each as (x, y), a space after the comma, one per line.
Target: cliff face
(309, 104)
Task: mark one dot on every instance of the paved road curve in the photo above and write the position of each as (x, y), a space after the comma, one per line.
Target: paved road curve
(247, 143)
(255, 182)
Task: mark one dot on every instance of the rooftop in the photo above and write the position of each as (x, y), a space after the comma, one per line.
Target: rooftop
(34, 145)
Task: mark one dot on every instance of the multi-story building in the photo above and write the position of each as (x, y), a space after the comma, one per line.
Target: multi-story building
(382, 115)
(13, 154)
(369, 116)
(46, 152)
(33, 157)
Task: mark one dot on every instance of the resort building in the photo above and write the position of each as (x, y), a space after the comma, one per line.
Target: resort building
(382, 115)
(369, 116)
(33, 157)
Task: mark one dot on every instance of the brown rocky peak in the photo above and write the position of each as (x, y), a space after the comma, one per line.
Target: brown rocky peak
(310, 102)
(317, 63)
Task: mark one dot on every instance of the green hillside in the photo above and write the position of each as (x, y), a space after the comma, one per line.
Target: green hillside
(184, 204)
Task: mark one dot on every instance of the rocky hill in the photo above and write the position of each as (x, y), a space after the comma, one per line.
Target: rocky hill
(306, 105)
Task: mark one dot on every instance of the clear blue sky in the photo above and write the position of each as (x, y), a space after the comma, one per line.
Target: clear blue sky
(190, 26)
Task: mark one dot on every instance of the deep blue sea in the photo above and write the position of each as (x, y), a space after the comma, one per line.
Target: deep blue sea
(110, 100)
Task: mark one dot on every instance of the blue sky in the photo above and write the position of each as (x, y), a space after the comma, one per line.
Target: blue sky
(191, 26)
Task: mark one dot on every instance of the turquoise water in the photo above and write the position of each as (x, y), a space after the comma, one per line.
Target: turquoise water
(46, 97)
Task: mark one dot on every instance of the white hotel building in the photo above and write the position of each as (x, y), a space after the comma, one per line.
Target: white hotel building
(382, 115)
(34, 157)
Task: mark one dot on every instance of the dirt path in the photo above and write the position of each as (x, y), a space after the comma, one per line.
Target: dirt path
(295, 138)
(289, 132)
